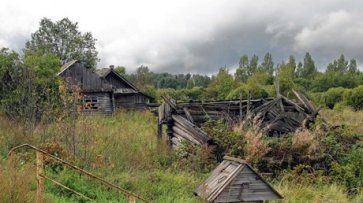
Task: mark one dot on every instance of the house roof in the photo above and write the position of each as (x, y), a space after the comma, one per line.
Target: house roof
(230, 171)
(66, 66)
(103, 72)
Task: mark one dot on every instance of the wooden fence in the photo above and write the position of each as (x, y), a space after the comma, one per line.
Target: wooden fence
(41, 177)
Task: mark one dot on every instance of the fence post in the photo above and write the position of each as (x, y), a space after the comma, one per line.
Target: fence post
(40, 178)
(132, 199)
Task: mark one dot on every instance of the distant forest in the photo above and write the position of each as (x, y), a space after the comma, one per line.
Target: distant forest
(338, 84)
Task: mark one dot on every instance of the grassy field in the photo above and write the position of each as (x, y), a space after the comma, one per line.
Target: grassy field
(124, 149)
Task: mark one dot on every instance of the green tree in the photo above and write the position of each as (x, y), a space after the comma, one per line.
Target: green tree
(242, 72)
(338, 65)
(9, 71)
(253, 65)
(201, 80)
(143, 77)
(267, 65)
(120, 70)
(253, 86)
(352, 67)
(45, 66)
(292, 63)
(308, 69)
(299, 69)
(190, 84)
(221, 84)
(63, 39)
(285, 77)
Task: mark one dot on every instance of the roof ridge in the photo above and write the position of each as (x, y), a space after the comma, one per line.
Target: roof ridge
(229, 158)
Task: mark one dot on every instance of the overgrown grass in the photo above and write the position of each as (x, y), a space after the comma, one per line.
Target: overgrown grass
(123, 149)
(293, 192)
(344, 116)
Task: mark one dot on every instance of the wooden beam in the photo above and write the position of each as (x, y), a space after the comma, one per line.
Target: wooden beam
(188, 115)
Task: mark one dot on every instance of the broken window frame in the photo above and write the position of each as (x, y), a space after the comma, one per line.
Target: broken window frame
(90, 103)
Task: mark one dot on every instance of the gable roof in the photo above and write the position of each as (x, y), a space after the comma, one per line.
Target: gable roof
(77, 76)
(230, 172)
(104, 72)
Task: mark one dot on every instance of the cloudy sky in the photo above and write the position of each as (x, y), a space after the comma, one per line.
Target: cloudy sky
(197, 36)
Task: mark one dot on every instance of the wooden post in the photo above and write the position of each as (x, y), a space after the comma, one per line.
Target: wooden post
(160, 131)
(240, 108)
(132, 199)
(40, 178)
(169, 130)
(248, 103)
(277, 85)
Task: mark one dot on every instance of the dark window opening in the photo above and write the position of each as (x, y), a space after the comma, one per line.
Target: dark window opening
(90, 103)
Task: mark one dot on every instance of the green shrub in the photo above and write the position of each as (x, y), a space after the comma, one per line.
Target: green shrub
(229, 142)
(350, 170)
(356, 98)
(270, 90)
(316, 97)
(257, 92)
(333, 96)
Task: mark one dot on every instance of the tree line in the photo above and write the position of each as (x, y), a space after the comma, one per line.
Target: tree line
(29, 84)
(259, 79)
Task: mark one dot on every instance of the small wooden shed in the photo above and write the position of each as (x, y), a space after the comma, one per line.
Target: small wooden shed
(235, 181)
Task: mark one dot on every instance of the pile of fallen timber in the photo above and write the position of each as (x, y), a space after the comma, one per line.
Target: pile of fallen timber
(271, 116)
(199, 112)
(282, 116)
(179, 128)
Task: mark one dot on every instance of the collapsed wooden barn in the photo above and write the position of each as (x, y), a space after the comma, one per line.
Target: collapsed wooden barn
(270, 116)
(126, 95)
(234, 180)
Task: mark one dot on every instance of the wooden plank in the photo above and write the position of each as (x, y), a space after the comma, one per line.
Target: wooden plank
(304, 101)
(188, 115)
(184, 132)
(259, 196)
(185, 135)
(225, 182)
(195, 131)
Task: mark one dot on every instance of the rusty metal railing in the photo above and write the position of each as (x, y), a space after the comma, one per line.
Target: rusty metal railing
(132, 197)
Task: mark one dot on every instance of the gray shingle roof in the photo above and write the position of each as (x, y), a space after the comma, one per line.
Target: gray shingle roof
(234, 180)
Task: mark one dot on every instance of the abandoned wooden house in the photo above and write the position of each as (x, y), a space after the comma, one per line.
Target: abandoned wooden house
(234, 180)
(104, 94)
(126, 95)
(97, 93)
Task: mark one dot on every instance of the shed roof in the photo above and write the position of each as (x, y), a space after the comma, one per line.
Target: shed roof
(234, 180)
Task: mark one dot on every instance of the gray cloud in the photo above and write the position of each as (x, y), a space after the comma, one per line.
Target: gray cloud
(200, 36)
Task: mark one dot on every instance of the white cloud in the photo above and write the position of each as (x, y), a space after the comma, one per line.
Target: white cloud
(338, 29)
(196, 36)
